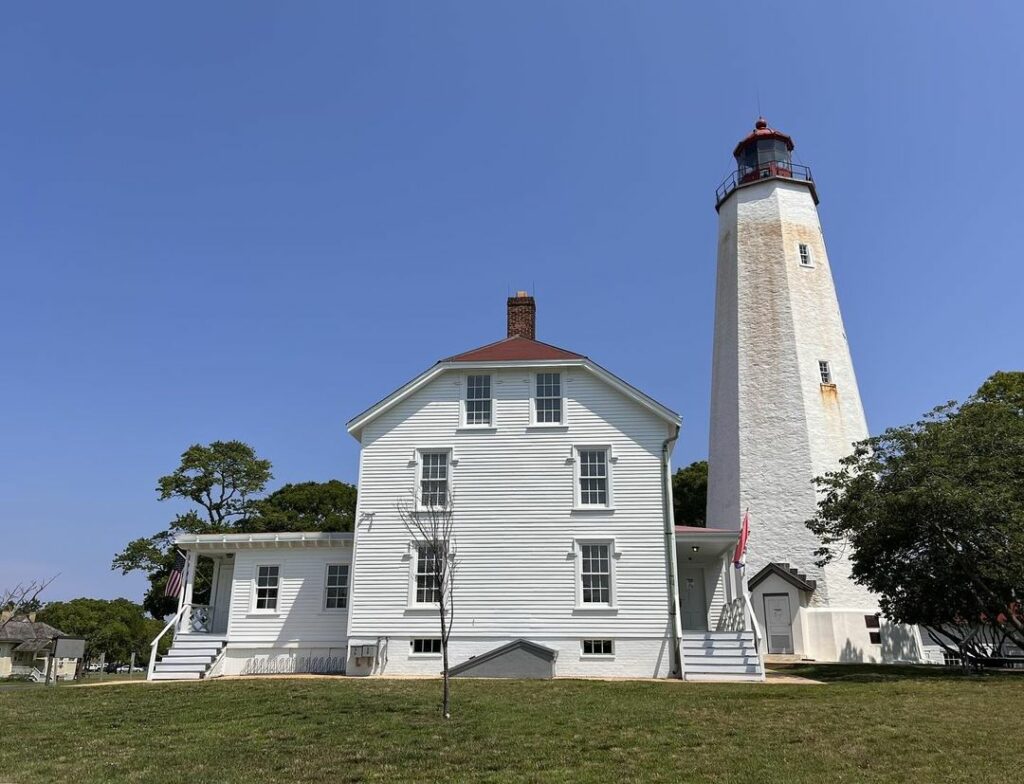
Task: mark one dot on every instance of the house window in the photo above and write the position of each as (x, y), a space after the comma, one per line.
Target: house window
(548, 402)
(598, 648)
(805, 256)
(872, 621)
(267, 579)
(876, 638)
(425, 645)
(336, 587)
(427, 589)
(434, 478)
(596, 573)
(478, 400)
(593, 477)
(825, 371)
(951, 659)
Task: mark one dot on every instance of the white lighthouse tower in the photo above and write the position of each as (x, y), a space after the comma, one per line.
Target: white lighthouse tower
(784, 402)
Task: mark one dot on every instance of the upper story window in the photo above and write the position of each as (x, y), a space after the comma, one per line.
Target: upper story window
(433, 479)
(805, 256)
(427, 589)
(596, 573)
(825, 371)
(336, 587)
(478, 400)
(548, 401)
(267, 583)
(593, 477)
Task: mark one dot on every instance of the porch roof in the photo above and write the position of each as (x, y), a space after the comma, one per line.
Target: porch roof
(712, 542)
(214, 542)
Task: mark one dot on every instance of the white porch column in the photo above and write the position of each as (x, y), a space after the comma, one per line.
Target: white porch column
(187, 583)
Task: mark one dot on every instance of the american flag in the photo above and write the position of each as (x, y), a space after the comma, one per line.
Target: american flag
(177, 572)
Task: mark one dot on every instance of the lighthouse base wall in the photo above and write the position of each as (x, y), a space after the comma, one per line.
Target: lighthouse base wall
(791, 626)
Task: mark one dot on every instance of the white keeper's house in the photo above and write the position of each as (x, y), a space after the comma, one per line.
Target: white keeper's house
(569, 563)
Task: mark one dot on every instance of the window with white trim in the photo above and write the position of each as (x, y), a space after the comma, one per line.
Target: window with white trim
(434, 478)
(805, 256)
(336, 587)
(425, 646)
(598, 648)
(825, 371)
(479, 404)
(267, 583)
(427, 589)
(592, 476)
(596, 573)
(548, 400)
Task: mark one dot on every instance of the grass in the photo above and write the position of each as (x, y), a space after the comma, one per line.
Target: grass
(867, 724)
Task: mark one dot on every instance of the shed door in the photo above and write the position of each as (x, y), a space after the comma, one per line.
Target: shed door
(779, 623)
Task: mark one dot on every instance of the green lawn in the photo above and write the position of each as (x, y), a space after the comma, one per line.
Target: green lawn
(867, 724)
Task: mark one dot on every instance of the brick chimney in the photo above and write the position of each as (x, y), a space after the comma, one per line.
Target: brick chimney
(522, 316)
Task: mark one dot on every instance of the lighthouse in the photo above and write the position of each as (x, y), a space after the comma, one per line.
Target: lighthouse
(785, 407)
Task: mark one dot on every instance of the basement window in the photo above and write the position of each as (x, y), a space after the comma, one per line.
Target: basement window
(825, 370)
(598, 648)
(425, 646)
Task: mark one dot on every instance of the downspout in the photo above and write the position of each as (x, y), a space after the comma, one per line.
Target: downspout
(670, 549)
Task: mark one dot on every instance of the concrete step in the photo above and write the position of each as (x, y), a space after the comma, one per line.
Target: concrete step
(728, 669)
(197, 641)
(175, 676)
(735, 678)
(722, 636)
(173, 667)
(697, 648)
(173, 658)
(211, 652)
(718, 661)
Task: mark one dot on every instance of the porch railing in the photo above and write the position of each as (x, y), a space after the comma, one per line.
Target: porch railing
(746, 174)
(183, 611)
(198, 619)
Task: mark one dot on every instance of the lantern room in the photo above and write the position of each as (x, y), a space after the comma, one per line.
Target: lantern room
(763, 154)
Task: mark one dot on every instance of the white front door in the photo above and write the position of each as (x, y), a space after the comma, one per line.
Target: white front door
(222, 596)
(693, 599)
(778, 623)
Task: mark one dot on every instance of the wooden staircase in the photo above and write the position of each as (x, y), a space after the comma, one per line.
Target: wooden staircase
(189, 658)
(721, 656)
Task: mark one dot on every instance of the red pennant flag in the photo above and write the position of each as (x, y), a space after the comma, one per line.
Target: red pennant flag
(741, 545)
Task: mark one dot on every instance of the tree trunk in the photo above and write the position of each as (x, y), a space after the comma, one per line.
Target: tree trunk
(445, 700)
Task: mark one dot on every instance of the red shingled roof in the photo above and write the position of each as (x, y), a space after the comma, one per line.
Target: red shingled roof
(514, 349)
(762, 131)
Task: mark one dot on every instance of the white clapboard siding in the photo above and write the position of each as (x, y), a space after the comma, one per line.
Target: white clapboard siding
(300, 617)
(513, 493)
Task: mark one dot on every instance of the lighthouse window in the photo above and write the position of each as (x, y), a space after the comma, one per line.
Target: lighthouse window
(805, 256)
(826, 372)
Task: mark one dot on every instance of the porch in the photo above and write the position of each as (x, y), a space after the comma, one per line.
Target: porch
(200, 625)
(720, 635)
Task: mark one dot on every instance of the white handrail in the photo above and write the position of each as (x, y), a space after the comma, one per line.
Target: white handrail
(156, 641)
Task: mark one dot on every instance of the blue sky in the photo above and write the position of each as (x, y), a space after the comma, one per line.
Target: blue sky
(253, 220)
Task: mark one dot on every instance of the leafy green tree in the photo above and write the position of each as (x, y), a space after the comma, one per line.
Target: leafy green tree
(690, 494)
(932, 517)
(115, 627)
(221, 479)
(306, 506)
